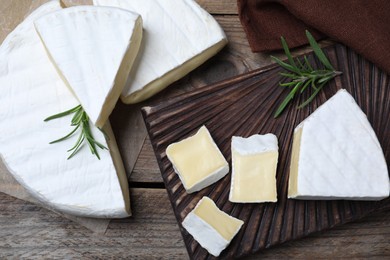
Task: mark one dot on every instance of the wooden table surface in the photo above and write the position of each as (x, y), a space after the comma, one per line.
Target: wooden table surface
(30, 231)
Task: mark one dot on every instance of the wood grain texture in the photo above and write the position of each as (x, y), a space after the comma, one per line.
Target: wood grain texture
(28, 231)
(146, 168)
(224, 7)
(130, 133)
(243, 106)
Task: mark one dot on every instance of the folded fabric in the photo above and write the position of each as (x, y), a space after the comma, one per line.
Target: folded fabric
(362, 25)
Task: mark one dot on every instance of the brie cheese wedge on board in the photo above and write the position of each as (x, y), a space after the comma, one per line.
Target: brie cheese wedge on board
(336, 155)
(93, 48)
(178, 37)
(254, 162)
(197, 161)
(31, 90)
(211, 227)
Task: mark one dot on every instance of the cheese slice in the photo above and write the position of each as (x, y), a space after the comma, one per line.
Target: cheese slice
(254, 161)
(31, 90)
(336, 155)
(211, 227)
(178, 37)
(93, 48)
(197, 160)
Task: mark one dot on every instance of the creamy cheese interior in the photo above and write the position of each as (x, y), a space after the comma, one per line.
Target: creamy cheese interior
(224, 224)
(254, 177)
(293, 178)
(196, 158)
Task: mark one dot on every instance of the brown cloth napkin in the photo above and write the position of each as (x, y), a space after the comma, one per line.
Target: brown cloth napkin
(363, 25)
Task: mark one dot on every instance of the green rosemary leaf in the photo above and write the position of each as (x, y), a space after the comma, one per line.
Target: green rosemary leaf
(325, 79)
(310, 99)
(100, 145)
(307, 83)
(287, 100)
(287, 84)
(92, 147)
(317, 50)
(62, 114)
(77, 148)
(77, 117)
(65, 137)
(78, 142)
(304, 75)
(80, 121)
(90, 139)
(302, 66)
(288, 75)
(285, 65)
(313, 85)
(287, 52)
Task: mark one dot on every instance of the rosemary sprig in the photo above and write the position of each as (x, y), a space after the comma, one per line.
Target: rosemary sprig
(303, 75)
(80, 120)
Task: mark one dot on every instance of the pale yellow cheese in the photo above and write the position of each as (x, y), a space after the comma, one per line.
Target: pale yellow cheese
(197, 160)
(254, 177)
(224, 224)
(254, 162)
(293, 178)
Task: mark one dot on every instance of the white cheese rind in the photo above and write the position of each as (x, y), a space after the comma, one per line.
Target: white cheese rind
(205, 234)
(178, 37)
(207, 181)
(93, 48)
(257, 181)
(339, 155)
(255, 144)
(31, 91)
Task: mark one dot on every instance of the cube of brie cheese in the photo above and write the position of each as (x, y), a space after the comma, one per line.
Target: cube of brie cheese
(211, 227)
(93, 48)
(336, 155)
(254, 161)
(178, 37)
(197, 160)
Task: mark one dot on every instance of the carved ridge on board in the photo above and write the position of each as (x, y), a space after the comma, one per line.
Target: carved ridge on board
(241, 105)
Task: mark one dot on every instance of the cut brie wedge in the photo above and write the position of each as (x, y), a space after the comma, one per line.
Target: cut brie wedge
(197, 160)
(254, 161)
(336, 155)
(211, 227)
(31, 90)
(178, 37)
(93, 48)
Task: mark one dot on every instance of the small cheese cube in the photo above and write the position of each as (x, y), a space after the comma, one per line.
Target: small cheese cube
(197, 160)
(254, 162)
(211, 227)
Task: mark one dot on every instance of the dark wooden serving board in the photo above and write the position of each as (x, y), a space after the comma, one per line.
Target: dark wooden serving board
(244, 105)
